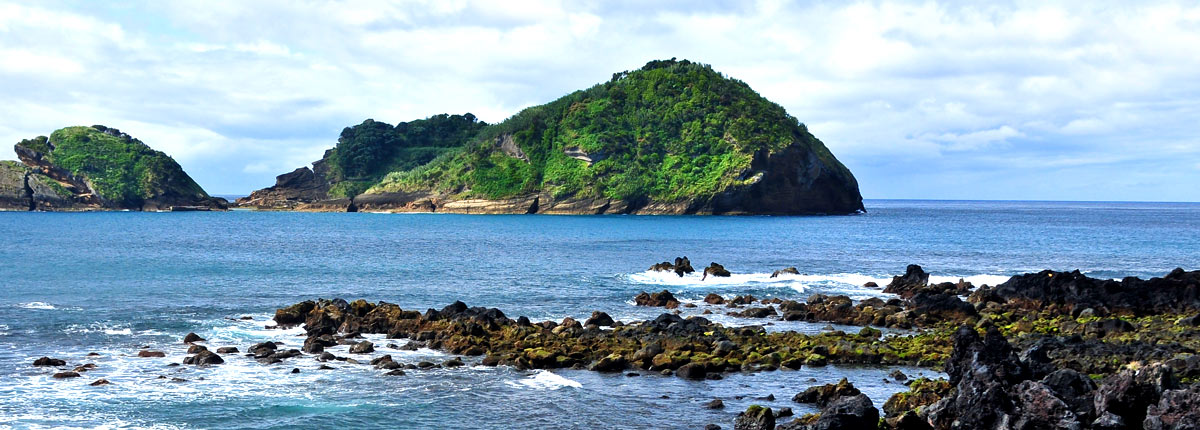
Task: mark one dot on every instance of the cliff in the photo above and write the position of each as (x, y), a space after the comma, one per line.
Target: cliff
(88, 168)
(673, 137)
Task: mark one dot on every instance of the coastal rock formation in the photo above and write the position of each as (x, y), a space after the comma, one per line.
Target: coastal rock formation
(97, 167)
(716, 270)
(1073, 292)
(785, 271)
(682, 266)
(303, 186)
(580, 155)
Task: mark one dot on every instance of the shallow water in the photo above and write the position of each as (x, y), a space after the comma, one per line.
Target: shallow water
(113, 282)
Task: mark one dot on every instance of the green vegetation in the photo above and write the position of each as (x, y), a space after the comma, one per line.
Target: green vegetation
(670, 131)
(368, 151)
(123, 170)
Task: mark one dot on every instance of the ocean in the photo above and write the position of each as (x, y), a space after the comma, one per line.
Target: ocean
(113, 282)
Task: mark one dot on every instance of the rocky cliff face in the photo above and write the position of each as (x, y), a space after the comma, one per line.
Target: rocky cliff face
(301, 189)
(98, 168)
(22, 189)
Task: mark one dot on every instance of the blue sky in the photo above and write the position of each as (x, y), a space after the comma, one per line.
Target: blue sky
(1086, 100)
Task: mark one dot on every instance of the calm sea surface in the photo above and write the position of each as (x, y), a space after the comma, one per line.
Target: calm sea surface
(111, 283)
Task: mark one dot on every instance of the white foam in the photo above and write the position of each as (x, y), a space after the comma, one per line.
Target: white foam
(110, 329)
(976, 280)
(3, 329)
(545, 380)
(36, 305)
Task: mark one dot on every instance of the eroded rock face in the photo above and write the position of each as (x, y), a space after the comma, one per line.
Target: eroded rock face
(293, 189)
(755, 418)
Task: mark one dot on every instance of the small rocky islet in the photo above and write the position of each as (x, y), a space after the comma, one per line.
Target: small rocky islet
(1042, 350)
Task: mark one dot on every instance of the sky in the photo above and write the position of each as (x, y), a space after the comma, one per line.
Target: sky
(997, 100)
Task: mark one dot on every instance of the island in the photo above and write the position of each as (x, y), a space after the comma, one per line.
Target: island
(674, 137)
(97, 168)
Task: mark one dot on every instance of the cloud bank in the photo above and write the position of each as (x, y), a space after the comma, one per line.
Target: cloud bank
(997, 100)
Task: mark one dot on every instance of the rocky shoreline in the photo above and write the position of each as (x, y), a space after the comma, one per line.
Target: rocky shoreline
(1042, 350)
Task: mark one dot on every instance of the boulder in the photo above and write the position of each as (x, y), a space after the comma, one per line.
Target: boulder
(714, 299)
(660, 299)
(151, 354)
(715, 404)
(227, 350)
(610, 363)
(99, 382)
(47, 361)
(824, 394)
(693, 371)
(1129, 393)
(66, 375)
(192, 337)
(599, 319)
(363, 347)
(204, 358)
(755, 418)
(846, 413)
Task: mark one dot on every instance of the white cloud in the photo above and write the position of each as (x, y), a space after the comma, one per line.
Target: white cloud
(237, 89)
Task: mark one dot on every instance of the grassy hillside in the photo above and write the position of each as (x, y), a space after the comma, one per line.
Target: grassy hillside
(368, 151)
(669, 131)
(121, 169)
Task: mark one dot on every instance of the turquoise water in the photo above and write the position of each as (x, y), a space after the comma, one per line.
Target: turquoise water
(113, 282)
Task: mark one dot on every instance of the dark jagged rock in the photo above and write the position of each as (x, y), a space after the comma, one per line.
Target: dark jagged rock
(1176, 410)
(317, 344)
(755, 418)
(786, 271)
(1128, 394)
(715, 404)
(714, 299)
(661, 299)
(195, 349)
(715, 270)
(683, 266)
(47, 361)
(1060, 292)
(100, 382)
(913, 280)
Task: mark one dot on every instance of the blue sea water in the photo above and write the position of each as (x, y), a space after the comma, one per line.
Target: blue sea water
(110, 283)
